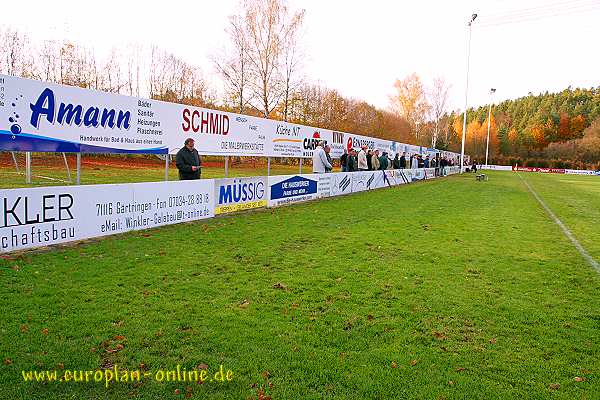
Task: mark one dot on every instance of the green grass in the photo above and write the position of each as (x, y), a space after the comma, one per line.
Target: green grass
(575, 199)
(447, 289)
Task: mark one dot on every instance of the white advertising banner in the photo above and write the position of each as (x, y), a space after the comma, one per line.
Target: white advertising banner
(367, 180)
(214, 132)
(236, 194)
(452, 170)
(46, 117)
(44, 216)
(581, 172)
(292, 140)
(34, 217)
(402, 176)
(391, 178)
(417, 175)
(341, 183)
(391, 148)
(324, 184)
(295, 188)
(39, 116)
(496, 167)
(429, 173)
(334, 184)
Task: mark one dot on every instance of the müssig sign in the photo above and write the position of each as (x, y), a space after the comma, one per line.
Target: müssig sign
(236, 194)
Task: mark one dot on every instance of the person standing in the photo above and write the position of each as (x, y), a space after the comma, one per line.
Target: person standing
(344, 161)
(320, 163)
(383, 161)
(426, 162)
(443, 164)
(329, 160)
(188, 161)
(375, 160)
(414, 164)
(352, 162)
(396, 162)
(403, 160)
(363, 164)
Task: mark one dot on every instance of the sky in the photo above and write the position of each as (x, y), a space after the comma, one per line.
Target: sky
(361, 47)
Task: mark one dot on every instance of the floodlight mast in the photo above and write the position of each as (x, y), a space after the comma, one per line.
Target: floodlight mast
(487, 146)
(462, 147)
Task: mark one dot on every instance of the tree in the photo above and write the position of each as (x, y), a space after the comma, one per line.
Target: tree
(48, 60)
(439, 103)
(539, 135)
(291, 60)
(16, 55)
(588, 148)
(268, 26)
(410, 102)
(234, 66)
(577, 126)
(174, 80)
(564, 127)
(133, 69)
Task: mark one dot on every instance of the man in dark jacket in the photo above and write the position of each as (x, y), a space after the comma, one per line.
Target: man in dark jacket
(188, 161)
(396, 162)
(352, 163)
(403, 160)
(344, 161)
(383, 161)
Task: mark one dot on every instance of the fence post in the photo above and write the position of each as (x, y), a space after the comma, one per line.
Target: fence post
(300, 165)
(78, 178)
(27, 167)
(12, 153)
(226, 167)
(167, 166)
(268, 166)
(67, 166)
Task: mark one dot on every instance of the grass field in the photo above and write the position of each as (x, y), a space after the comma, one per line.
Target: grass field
(446, 289)
(116, 169)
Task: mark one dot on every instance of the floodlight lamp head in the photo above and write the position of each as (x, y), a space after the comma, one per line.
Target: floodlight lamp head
(492, 90)
(472, 18)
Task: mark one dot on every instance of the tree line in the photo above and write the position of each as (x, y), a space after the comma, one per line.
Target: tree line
(548, 129)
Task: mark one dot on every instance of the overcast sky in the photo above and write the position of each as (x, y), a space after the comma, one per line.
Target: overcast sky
(360, 48)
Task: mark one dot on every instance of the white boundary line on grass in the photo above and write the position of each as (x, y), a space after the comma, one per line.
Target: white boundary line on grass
(564, 228)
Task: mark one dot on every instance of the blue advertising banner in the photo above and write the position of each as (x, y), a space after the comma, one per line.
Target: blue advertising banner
(291, 188)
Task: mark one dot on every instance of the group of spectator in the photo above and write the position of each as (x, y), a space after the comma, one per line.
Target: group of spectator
(189, 163)
(371, 160)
